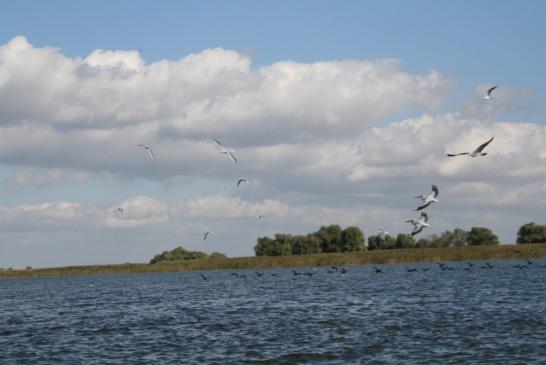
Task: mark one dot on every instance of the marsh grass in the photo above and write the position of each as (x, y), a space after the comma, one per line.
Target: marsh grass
(469, 253)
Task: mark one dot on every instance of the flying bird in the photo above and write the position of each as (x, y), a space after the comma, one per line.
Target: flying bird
(242, 180)
(382, 233)
(487, 95)
(120, 210)
(258, 215)
(148, 148)
(419, 224)
(207, 233)
(226, 151)
(477, 152)
(428, 199)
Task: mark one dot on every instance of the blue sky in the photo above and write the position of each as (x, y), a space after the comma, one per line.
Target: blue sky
(469, 43)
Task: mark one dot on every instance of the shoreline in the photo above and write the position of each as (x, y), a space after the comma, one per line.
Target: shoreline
(376, 257)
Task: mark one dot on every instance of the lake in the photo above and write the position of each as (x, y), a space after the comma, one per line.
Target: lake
(481, 316)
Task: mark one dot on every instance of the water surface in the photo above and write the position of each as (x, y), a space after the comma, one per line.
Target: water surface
(483, 316)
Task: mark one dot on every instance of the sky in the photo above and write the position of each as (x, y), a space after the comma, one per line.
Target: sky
(339, 113)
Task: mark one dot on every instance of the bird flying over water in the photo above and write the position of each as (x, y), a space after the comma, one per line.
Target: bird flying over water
(147, 148)
(477, 152)
(487, 95)
(226, 151)
(242, 180)
(419, 224)
(428, 199)
(207, 233)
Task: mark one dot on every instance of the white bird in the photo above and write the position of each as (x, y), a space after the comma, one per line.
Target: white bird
(382, 233)
(147, 148)
(226, 151)
(242, 180)
(428, 199)
(419, 224)
(120, 210)
(487, 95)
(207, 233)
(258, 215)
(477, 152)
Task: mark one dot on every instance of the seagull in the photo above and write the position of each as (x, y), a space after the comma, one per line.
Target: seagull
(120, 210)
(428, 199)
(227, 152)
(207, 233)
(147, 148)
(487, 95)
(477, 152)
(382, 233)
(419, 224)
(242, 180)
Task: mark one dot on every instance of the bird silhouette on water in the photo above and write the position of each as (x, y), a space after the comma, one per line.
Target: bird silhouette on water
(378, 270)
(521, 267)
(204, 277)
(411, 270)
(259, 274)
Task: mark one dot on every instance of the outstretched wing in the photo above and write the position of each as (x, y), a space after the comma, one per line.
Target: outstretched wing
(423, 206)
(150, 153)
(217, 142)
(424, 216)
(232, 156)
(435, 191)
(416, 231)
(491, 90)
(457, 154)
(239, 182)
(480, 149)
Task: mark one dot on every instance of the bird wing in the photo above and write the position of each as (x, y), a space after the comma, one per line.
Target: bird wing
(232, 156)
(435, 191)
(239, 182)
(217, 142)
(419, 197)
(206, 235)
(423, 206)
(150, 153)
(491, 90)
(457, 154)
(480, 149)
(417, 231)
(424, 216)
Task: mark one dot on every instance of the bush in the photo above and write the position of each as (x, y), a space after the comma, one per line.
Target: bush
(404, 241)
(532, 233)
(479, 236)
(181, 253)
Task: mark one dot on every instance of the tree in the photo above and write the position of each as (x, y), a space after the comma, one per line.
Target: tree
(179, 253)
(217, 255)
(532, 233)
(378, 243)
(481, 236)
(404, 241)
(264, 246)
(303, 245)
(352, 239)
(329, 238)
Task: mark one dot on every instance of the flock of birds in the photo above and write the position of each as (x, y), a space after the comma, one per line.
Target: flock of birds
(426, 200)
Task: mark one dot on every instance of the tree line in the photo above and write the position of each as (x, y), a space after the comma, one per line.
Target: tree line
(181, 253)
(335, 239)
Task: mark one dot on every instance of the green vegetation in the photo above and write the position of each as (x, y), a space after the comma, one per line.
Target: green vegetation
(532, 233)
(464, 253)
(181, 253)
(327, 239)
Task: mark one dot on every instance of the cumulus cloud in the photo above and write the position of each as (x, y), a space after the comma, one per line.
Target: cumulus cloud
(312, 137)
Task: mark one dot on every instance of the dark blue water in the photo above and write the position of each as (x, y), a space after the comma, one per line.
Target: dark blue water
(494, 316)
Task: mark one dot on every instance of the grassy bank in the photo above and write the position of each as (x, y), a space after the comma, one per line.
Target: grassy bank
(351, 258)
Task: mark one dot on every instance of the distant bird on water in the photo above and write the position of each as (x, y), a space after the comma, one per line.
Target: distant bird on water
(378, 270)
(148, 148)
(207, 233)
(226, 151)
(419, 224)
(476, 153)
(204, 277)
(487, 95)
(428, 199)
